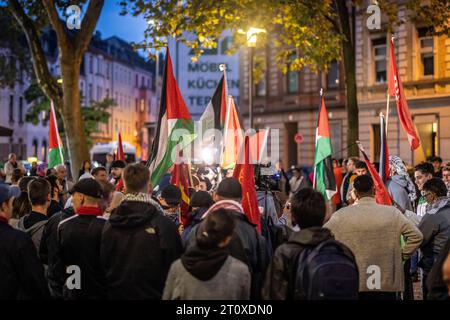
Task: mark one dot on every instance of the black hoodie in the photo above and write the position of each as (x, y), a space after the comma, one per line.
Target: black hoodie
(138, 247)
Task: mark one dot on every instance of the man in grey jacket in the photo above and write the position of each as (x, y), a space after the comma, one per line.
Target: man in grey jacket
(373, 233)
(435, 226)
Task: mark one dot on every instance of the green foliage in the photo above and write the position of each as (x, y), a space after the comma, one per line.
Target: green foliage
(17, 57)
(290, 25)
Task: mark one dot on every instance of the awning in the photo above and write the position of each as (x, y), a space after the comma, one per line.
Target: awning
(5, 132)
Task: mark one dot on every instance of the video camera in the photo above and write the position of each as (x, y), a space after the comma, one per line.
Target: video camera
(267, 177)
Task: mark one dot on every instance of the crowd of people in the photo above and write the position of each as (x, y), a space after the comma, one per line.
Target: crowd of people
(112, 235)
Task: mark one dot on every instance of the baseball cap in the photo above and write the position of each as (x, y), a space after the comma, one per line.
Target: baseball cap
(171, 194)
(88, 187)
(5, 192)
(229, 188)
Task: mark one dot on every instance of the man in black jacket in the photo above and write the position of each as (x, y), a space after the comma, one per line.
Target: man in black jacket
(48, 250)
(246, 245)
(138, 243)
(22, 274)
(77, 262)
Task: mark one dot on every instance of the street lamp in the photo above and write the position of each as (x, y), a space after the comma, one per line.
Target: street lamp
(251, 44)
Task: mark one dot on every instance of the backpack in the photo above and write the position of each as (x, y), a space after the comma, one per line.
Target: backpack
(326, 272)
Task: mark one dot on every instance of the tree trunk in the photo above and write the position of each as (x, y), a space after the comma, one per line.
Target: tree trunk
(348, 54)
(71, 111)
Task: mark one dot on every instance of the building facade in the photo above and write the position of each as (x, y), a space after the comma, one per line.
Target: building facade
(290, 102)
(110, 69)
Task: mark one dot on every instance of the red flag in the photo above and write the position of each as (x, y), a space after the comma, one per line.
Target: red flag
(245, 174)
(395, 88)
(381, 194)
(180, 178)
(120, 155)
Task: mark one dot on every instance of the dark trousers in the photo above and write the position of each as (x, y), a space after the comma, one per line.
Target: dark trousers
(408, 294)
(378, 295)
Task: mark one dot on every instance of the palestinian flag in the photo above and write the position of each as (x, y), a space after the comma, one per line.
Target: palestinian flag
(323, 167)
(55, 153)
(175, 128)
(214, 115)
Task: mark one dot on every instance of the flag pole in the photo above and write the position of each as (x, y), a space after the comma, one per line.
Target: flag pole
(57, 131)
(318, 117)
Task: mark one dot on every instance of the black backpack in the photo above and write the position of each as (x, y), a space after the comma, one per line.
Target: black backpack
(326, 272)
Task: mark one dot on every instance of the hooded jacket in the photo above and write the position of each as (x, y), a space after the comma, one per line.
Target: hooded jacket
(246, 244)
(280, 275)
(230, 282)
(138, 246)
(435, 227)
(33, 224)
(397, 187)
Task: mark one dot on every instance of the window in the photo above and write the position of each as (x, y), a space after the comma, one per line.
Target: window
(91, 64)
(99, 93)
(142, 81)
(333, 75)
(142, 105)
(107, 70)
(90, 93)
(11, 108)
(20, 110)
(136, 103)
(99, 66)
(34, 148)
(426, 45)
(261, 87)
(379, 54)
(136, 82)
(292, 75)
(107, 93)
(44, 149)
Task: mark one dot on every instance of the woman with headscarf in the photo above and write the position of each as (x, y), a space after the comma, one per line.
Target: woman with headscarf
(400, 186)
(403, 192)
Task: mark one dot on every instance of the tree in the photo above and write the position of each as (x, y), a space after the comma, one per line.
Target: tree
(97, 112)
(33, 17)
(320, 30)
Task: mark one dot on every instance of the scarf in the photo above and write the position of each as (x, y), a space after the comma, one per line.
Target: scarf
(399, 167)
(89, 211)
(436, 206)
(225, 204)
(143, 197)
(204, 264)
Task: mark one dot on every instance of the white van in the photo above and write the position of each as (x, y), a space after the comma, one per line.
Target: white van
(100, 150)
